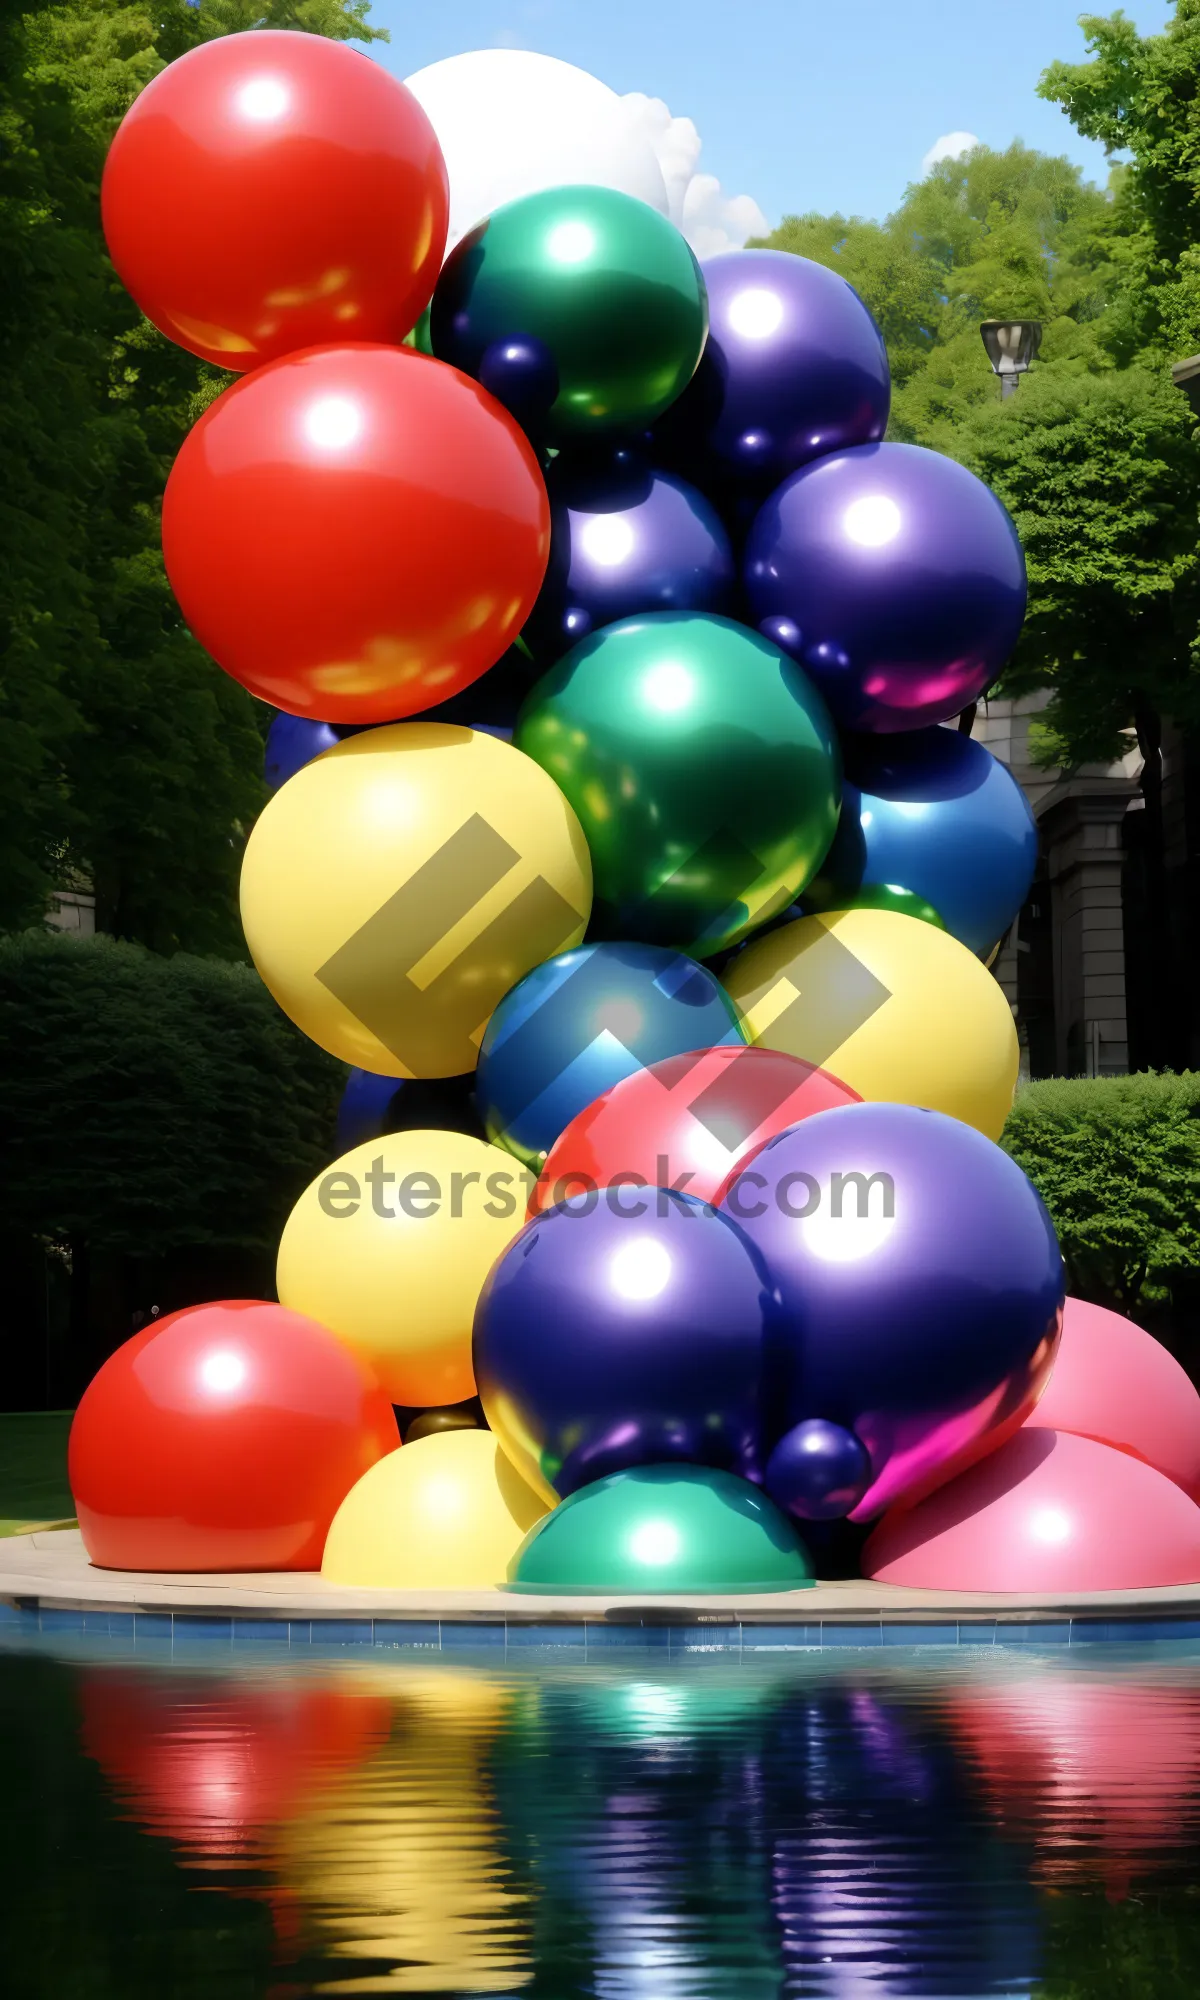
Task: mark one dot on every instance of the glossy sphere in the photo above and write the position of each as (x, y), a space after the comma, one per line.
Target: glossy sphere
(1119, 1385)
(608, 287)
(823, 897)
(662, 1529)
(576, 1025)
(372, 1105)
(511, 122)
(895, 576)
(618, 1332)
(625, 538)
(818, 1471)
(367, 858)
(938, 813)
(919, 1287)
(448, 1512)
(390, 1246)
(893, 1006)
(292, 742)
(224, 1437)
(355, 533)
(274, 191)
(430, 1423)
(686, 1122)
(704, 770)
(794, 367)
(1047, 1512)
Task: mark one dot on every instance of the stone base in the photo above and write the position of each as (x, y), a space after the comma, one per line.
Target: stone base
(48, 1586)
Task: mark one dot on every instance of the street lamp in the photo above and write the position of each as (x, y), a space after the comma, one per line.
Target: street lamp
(1011, 345)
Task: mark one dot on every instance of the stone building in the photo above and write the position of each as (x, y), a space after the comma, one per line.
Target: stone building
(1097, 967)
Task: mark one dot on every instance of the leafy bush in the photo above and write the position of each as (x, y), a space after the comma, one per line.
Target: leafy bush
(152, 1103)
(1117, 1162)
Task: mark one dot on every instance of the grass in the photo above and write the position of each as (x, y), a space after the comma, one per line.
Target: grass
(33, 1469)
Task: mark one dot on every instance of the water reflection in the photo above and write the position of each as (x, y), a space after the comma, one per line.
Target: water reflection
(766, 1830)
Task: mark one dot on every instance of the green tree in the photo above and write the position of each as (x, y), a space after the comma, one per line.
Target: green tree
(126, 757)
(1099, 472)
(149, 1106)
(1138, 94)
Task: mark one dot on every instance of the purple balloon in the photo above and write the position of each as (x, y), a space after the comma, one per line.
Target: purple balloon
(609, 1338)
(625, 538)
(794, 367)
(895, 577)
(918, 1282)
(818, 1471)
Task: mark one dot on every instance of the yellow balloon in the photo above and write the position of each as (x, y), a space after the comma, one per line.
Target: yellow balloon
(404, 1862)
(446, 1513)
(397, 887)
(389, 1248)
(896, 1008)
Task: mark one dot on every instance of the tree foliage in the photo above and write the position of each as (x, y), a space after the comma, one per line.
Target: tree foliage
(1117, 1162)
(1095, 457)
(1138, 94)
(150, 1103)
(126, 757)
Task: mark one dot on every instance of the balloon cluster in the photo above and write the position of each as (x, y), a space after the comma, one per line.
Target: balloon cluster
(618, 843)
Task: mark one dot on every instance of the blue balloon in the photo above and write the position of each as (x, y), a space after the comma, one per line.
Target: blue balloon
(580, 1022)
(522, 374)
(373, 1105)
(605, 1338)
(292, 742)
(918, 1284)
(795, 367)
(624, 539)
(896, 579)
(936, 813)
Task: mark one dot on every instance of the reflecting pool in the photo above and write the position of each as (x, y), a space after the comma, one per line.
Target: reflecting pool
(941, 1823)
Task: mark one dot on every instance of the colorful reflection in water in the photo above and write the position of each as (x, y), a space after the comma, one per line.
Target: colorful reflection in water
(923, 1825)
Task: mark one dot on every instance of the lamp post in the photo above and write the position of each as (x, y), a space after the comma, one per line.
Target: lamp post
(1011, 345)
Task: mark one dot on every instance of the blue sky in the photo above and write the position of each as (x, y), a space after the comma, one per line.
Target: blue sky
(803, 104)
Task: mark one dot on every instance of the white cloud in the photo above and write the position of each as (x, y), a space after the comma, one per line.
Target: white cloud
(951, 146)
(710, 219)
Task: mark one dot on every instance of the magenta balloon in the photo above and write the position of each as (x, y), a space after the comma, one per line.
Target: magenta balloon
(895, 577)
(795, 366)
(1047, 1512)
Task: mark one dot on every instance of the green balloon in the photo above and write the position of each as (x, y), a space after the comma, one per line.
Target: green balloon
(820, 898)
(704, 769)
(604, 281)
(662, 1529)
(419, 337)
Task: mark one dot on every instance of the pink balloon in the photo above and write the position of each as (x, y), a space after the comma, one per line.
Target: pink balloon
(1116, 1383)
(1113, 1747)
(1045, 1513)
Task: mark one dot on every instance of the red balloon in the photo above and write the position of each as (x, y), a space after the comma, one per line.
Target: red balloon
(356, 533)
(224, 1437)
(702, 1114)
(271, 191)
(213, 1766)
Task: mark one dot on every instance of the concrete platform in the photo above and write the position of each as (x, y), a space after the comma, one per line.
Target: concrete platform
(47, 1584)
